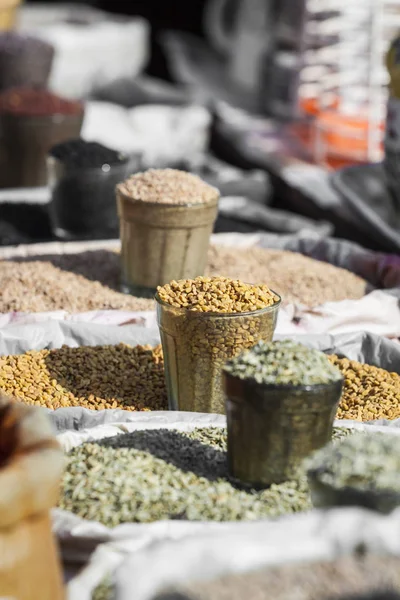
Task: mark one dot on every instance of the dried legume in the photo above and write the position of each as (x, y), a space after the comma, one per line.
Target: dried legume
(283, 363)
(165, 474)
(369, 393)
(168, 186)
(210, 321)
(216, 294)
(79, 153)
(341, 579)
(37, 103)
(95, 377)
(293, 276)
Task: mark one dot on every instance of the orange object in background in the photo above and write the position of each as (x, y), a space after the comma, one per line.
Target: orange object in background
(8, 14)
(335, 140)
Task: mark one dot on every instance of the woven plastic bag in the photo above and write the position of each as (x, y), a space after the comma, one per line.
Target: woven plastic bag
(31, 464)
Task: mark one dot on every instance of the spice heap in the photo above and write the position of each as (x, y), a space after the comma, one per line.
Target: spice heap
(40, 286)
(150, 475)
(95, 377)
(283, 363)
(168, 186)
(31, 102)
(78, 153)
(293, 276)
(341, 579)
(366, 464)
(216, 294)
(369, 393)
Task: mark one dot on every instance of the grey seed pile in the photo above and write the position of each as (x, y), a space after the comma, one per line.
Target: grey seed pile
(40, 286)
(296, 278)
(168, 186)
(283, 363)
(151, 475)
(363, 463)
(341, 579)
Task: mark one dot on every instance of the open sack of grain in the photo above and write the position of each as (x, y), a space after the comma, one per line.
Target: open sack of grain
(325, 283)
(166, 473)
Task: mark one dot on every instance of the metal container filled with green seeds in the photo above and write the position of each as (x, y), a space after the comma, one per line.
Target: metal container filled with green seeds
(196, 346)
(272, 427)
(359, 471)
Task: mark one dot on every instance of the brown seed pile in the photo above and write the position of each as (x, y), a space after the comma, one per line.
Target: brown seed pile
(216, 294)
(369, 393)
(342, 578)
(296, 278)
(168, 186)
(95, 377)
(40, 286)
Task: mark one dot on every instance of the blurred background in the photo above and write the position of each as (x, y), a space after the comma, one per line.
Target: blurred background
(282, 104)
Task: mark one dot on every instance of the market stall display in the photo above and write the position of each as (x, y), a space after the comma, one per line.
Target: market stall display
(31, 464)
(204, 322)
(82, 177)
(32, 121)
(281, 399)
(166, 220)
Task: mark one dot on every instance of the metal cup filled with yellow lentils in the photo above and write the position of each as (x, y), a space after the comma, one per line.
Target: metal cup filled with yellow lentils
(203, 323)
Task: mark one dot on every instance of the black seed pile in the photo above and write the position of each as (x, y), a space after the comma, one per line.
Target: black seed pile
(81, 154)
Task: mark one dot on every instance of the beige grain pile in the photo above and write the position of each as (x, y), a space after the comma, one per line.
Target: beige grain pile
(296, 278)
(89, 280)
(40, 286)
(343, 578)
(168, 186)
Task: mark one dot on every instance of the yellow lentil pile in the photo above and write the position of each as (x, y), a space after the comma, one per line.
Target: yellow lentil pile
(369, 393)
(216, 294)
(296, 278)
(95, 377)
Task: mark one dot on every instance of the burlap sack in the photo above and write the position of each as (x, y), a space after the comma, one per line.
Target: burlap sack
(31, 464)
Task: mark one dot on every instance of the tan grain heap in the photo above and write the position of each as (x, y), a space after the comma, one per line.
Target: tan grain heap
(40, 286)
(168, 186)
(217, 294)
(95, 377)
(369, 393)
(295, 277)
